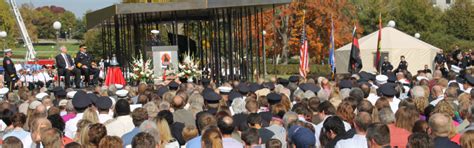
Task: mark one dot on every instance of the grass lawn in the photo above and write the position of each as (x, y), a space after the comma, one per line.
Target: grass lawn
(44, 51)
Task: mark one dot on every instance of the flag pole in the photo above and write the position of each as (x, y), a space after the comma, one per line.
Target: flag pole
(379, 47)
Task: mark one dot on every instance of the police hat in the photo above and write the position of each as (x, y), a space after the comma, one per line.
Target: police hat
(61, 93)
(93, 97)
(345, 84)
(273, 98)
(269, 85)
(469, 79)
(283, 82)
(243, 88)
(224, 89)
(294, 79)
(121, 93)
(387, 90)
(205, 81)
(81, 100)
(173, 85)
(161, 91)
(309, 86)
(211, 97)
(234, 94)
(253, 87)
(7, 50)
(103, 103)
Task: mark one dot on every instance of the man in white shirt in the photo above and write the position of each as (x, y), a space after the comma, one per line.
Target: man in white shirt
(361, 122)
(103, 105)
(81, 101)
(123, 122)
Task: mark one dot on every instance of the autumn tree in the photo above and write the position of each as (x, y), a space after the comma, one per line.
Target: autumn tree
(284, 31)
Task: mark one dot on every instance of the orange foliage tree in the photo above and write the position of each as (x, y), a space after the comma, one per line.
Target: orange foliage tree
(284, 27)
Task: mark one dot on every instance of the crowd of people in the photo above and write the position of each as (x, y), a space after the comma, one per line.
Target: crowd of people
(431, 108)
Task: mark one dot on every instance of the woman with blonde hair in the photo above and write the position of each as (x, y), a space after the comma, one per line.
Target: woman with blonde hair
(421, 103)
(467, 139)
(91, 115)
(111, 142)
(211, 138)
(165, 133)
(82, 135)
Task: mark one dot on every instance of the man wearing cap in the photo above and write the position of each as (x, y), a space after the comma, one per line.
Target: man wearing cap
(103, 105)
(66, 68)
(388, 90)
(9, 74)
(84, 63)
(468, 83)
(211, 100)
(81, 102)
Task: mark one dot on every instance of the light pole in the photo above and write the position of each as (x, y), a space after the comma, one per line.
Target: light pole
(3, 35)
(57, 26)
(264, 55)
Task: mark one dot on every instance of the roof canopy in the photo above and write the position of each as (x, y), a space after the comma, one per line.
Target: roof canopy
(394, 44)
(391, 39)
(179, 10)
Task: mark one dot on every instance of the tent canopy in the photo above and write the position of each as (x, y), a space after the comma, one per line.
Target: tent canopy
(394, 44)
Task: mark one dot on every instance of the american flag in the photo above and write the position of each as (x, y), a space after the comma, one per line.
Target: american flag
(304, 54)
(332, 60)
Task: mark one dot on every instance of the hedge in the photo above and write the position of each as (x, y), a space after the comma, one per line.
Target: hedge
(292, 69)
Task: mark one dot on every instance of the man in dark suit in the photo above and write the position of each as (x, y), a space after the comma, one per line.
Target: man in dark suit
(66, 68)
(84, 63)
(9, 75)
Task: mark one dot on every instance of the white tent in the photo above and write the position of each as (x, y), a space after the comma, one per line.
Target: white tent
(393, 45)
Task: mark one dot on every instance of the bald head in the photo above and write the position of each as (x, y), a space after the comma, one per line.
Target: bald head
(440, 125)
(437, 91)
(178, 102)
(226, 125)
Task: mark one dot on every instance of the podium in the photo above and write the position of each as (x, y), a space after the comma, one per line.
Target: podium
(114, 76)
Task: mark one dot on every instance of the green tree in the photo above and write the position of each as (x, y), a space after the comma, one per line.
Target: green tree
(459, 20)
(92, 39)
(7, 23)
(28, 13)
(368, 12)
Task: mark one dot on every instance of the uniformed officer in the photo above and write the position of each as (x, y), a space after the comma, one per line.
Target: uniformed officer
(386, 66)
(211, 100)
(84, 63)
(440, 59)
(10, 75)
(403, 64)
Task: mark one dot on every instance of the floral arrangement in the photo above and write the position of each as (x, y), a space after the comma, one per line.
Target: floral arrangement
(142, 70)
(189, 68)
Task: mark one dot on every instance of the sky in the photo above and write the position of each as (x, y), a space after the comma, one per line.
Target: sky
(78, 7)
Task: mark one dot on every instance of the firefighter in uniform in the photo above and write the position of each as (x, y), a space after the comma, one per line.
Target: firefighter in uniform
(10, 75)
(84, 63)
(386, 66)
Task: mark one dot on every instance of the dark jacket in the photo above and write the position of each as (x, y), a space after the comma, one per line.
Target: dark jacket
(61, 63)
(83, 59)
(10, 71)
(444, 142)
